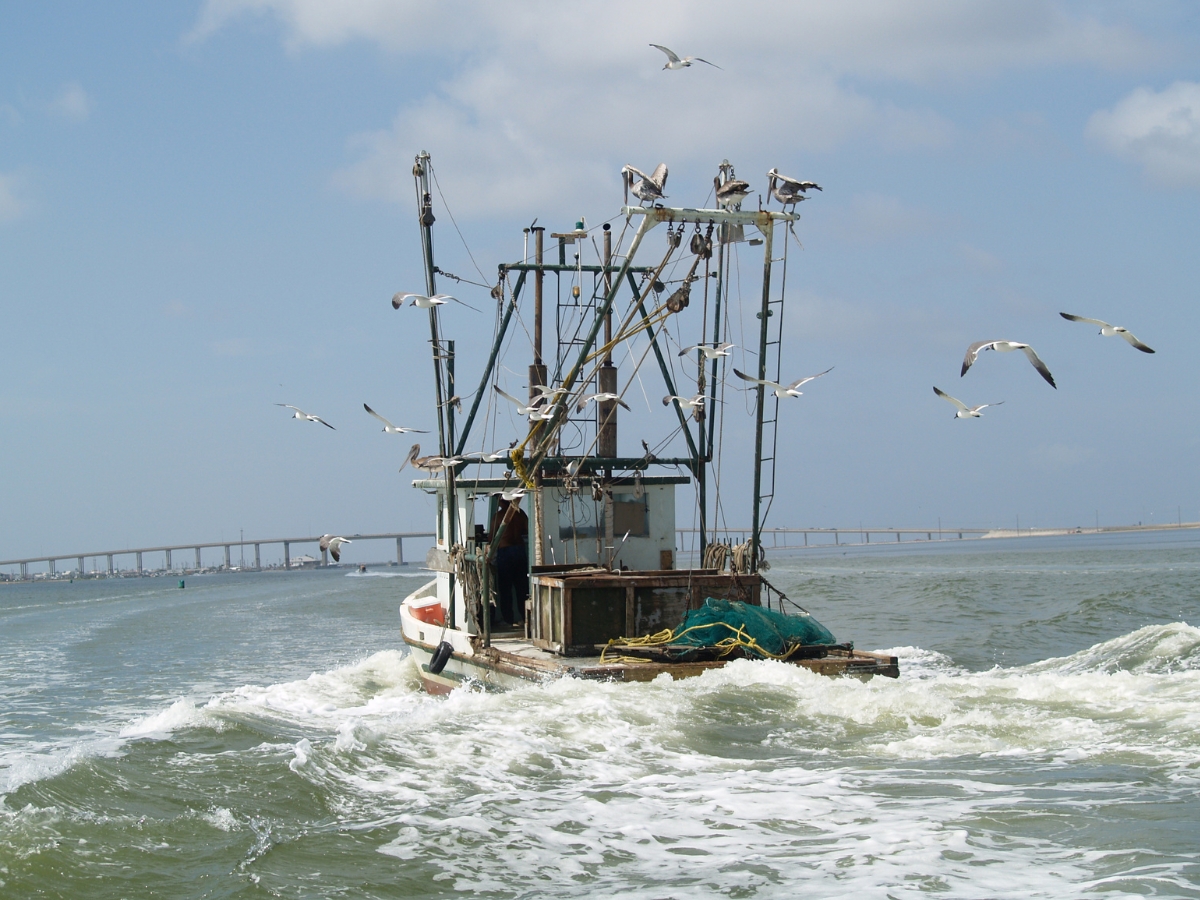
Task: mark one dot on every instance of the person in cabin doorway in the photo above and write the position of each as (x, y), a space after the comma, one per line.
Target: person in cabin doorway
(512, 562)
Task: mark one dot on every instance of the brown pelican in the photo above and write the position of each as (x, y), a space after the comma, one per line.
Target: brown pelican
(333, 545)
(301, 414)
(709, 351)
(964, 411)
(788, 190)
(1006, 347)
(429, 463)
(674, 62)
(389, 427)
(782, 390)
(649, 187)
(732, 192)
(1109, 330)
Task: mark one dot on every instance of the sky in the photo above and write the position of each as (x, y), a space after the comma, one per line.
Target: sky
(205, 208)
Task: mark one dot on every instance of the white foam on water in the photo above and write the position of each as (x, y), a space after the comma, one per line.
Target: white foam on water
(181, 714)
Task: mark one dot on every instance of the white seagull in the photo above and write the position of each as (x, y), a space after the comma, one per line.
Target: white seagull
(732, 192)
(421, 301)
(301, 414)
(333, 545)
(649, 187)
(964, 411)
(389, 427)
(709, 350)
(600, 398)
(522, 409)
(1109, 330)
(782, 390)
(674, 62)
(429, 463)
(510, 494)
(1006, 347)
(691, 404)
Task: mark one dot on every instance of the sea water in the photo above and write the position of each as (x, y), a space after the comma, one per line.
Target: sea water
(266, 735)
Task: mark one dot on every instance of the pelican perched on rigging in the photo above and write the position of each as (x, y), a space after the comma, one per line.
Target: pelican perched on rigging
(647, 188)
(675, 62)
(429, 463)
(789, 190)
(731, 193)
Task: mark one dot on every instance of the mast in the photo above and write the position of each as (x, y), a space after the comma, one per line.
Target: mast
(445, 415)
(768, 231)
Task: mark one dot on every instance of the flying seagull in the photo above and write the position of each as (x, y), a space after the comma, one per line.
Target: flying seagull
(1006, 347)
(647, 188)
(782, 390)
(429, 463)
(389, 427)
(522, 409)
(732, 192)
(301, 414)
(1109, 330)
(964, 411)
(674, 62)
(691, 404)
(333, 545)
(708, 349)
(600, 398)
(420, 301)
(788, 190)
(510, 494)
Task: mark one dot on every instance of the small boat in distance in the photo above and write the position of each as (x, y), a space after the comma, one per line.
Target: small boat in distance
(564, 563)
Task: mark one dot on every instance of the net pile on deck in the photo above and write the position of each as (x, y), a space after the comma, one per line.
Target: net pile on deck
(725, 628)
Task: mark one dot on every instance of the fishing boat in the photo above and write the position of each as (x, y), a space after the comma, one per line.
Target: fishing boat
(602, 591)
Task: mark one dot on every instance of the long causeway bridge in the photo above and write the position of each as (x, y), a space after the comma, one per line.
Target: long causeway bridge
(80, 559)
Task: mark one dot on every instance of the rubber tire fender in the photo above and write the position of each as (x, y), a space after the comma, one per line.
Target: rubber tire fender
(441, 656)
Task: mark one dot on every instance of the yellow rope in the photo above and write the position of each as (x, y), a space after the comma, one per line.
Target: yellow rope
(725, 646)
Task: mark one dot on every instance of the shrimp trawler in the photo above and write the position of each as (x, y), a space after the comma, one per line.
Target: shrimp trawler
(599, 590)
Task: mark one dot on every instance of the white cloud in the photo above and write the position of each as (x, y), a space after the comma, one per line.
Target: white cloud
(1159, 131)
(10, 207)
(72, 102)
(529, 87)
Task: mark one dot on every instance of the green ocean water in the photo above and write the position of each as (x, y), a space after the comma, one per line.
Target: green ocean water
(264, 735)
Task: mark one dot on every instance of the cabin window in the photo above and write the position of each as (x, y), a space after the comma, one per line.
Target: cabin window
(630, 516)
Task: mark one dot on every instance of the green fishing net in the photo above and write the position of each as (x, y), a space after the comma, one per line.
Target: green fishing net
(756, 629)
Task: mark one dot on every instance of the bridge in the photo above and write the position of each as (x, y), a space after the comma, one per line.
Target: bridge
(51, 562)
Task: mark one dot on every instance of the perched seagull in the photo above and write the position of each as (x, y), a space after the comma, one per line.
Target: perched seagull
(420, 301)
(333, 545)
(389, 427)
(782, 390)
(429, 463)
(1006, 347)
(1109, 330)
(732, 192)
(301, 414)
(709, 351)
(964, 411)
(649, 187)
(674, 62)
(600, 398)
(788, 190)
